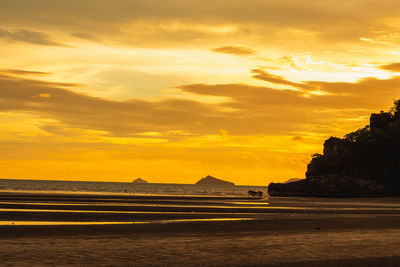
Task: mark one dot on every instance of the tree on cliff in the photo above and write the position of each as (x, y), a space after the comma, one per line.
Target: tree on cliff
(372, 152)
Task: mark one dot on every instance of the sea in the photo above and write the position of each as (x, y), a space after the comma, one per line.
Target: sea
(130, 188)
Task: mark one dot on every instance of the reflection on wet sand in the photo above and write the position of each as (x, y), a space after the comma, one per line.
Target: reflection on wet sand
(71, 229)
(37, 206)
(16, 223)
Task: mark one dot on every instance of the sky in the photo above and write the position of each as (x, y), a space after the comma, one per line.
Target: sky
(174, 90)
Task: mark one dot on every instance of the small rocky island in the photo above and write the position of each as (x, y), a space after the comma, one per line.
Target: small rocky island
(139, 181)
(365, 163)
(209, 180)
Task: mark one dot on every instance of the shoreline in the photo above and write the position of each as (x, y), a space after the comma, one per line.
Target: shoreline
(109, 230)
(261, 226)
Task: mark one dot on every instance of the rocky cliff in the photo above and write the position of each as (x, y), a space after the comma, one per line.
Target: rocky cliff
(328, 186)
(363, 163)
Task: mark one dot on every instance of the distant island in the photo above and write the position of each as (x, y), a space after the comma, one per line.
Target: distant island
(139, 181)
(209, 180)
(364, 163)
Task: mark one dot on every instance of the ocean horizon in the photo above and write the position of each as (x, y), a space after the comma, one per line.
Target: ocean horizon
(126, 187)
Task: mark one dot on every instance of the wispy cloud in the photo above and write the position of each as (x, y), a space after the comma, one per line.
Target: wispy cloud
(22, 72)
(395, 67)
(265, 76)
(85, 35)
(27, 36)
(283, 111)
(235, 50)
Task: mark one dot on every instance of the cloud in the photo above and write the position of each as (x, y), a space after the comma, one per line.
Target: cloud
(341, 105)
(254, 99)
(56, 101)
(235, 50)
(369, 89)
(259, 19)
(286, 12)
(297, 138)
(85, 36)
(395, 67)
(264, 76)
(27, 36)
(248, 109)
(22, 72)
(57, 130)
(370, 93)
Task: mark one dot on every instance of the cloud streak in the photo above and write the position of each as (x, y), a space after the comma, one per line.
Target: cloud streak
(124, 118)
(394, 67)
(23, 72)
(248, 110)
(326, 20)
(265, 76)
(27, 36)
(235, 50)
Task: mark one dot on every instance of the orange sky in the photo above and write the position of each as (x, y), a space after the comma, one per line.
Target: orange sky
(172, 91)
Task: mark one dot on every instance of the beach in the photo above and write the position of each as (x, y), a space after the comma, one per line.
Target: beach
(199, 133)
(80, 229)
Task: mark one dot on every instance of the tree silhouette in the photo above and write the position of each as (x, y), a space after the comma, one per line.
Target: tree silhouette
(372, 152)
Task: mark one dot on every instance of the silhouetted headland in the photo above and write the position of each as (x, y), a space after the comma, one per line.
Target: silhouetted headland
(139, 181)
(209, 180)
(291, 180)
(363, 163)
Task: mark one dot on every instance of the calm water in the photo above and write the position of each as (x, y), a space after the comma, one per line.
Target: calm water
(112, 187)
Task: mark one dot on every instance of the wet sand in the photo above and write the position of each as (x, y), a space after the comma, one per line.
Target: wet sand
(193, 231)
